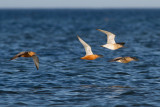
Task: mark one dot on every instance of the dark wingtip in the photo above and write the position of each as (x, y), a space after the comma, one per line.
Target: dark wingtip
(37, 67)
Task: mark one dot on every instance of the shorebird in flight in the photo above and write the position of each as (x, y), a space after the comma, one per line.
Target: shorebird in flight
(111, 44)
(124, 59)
(28, 54)
(89, 54)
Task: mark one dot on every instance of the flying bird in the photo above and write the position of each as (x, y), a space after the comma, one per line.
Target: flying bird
(124, 59)
(111, 44)
(89, 54)
(28, 54)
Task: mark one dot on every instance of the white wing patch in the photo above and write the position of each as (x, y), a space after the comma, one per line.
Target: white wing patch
(86, 47)
(110, 36)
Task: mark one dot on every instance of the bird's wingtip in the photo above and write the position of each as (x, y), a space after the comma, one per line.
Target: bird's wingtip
(11, 58)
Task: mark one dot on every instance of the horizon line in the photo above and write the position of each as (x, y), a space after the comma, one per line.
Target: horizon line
(80, 8)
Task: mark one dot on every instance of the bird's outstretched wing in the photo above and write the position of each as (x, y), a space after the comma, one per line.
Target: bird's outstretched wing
(115, 59)
(86, 46)
(110, 36)
(36, 61)
(18, 55)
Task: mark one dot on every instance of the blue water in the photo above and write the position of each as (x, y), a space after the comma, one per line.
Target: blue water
(63, 79)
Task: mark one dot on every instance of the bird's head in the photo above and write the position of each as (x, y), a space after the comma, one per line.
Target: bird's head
(135, 59)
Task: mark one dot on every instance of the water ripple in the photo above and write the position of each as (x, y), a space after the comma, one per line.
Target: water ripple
(64, 80)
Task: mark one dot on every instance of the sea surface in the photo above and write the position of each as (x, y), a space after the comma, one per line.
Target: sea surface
(65, 80)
